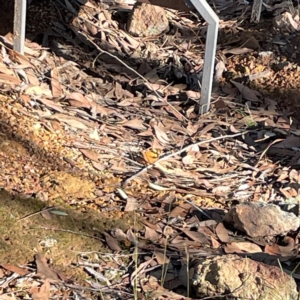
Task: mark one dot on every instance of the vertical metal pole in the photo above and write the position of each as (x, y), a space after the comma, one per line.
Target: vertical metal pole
(19, 25)
(210, 52)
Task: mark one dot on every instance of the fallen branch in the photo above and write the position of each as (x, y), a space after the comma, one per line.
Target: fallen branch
(181, 151)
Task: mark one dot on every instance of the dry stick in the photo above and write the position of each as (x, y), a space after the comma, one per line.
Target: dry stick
(266, 150)
(70, 231)
(36, 213)
(133, 70)
(181, 151)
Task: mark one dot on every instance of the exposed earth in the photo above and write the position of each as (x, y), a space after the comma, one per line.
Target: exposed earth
(107, 170)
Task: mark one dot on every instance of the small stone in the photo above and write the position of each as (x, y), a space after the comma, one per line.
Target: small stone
(147, 20)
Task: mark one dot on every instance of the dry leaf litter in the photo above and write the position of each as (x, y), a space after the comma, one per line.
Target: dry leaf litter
(113, 185)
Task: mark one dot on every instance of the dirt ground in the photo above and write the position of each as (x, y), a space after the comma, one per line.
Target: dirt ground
(65, 160)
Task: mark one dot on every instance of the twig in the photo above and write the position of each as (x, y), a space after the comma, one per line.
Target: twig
(198, 208)
(36, 213)
(134, 71)
(181, 151)
(72, 232)
(266, 150)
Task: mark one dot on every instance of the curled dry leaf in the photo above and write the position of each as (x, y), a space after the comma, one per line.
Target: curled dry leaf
(161, 135)
(132, 237)
(284, 251)
(112, 243)
(55, 84)
(44, 270)
(43, 293)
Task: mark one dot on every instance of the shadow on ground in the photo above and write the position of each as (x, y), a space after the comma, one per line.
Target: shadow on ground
(63, 234)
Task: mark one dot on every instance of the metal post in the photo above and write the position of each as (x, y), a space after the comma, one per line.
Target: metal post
(19, 25)
(210, 52)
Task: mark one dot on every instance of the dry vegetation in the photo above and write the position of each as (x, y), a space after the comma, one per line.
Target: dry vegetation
(113, 187)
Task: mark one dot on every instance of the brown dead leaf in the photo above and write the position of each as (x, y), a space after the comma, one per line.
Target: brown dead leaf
(131, 204)
(112, 243)
(197, 236)
(284, 251)
(43, 293)
(222, 233)
(247, 93)
(214, 243)
(9, 79)
(132, 237)
(15, 269)
(20, 59)
(78, 100)
(135, 124)
(37, 90)
(290, 248)
(130, 102)
(151, 234)
(71, 121)
(5, 70)
(90, 154)
(161, 135)
(118, 90)
(98, 166)
(161, 258)
(104, 111)
(51, 104)
(155, 227)
(272, 249)
(242, 247)
(181, 211)
(174, 112)
(55, 84)
(193, 94)
(46, 214)
(33, 80)
(43, 269)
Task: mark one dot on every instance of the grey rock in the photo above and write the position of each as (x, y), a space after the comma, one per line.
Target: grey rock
(261, 220)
